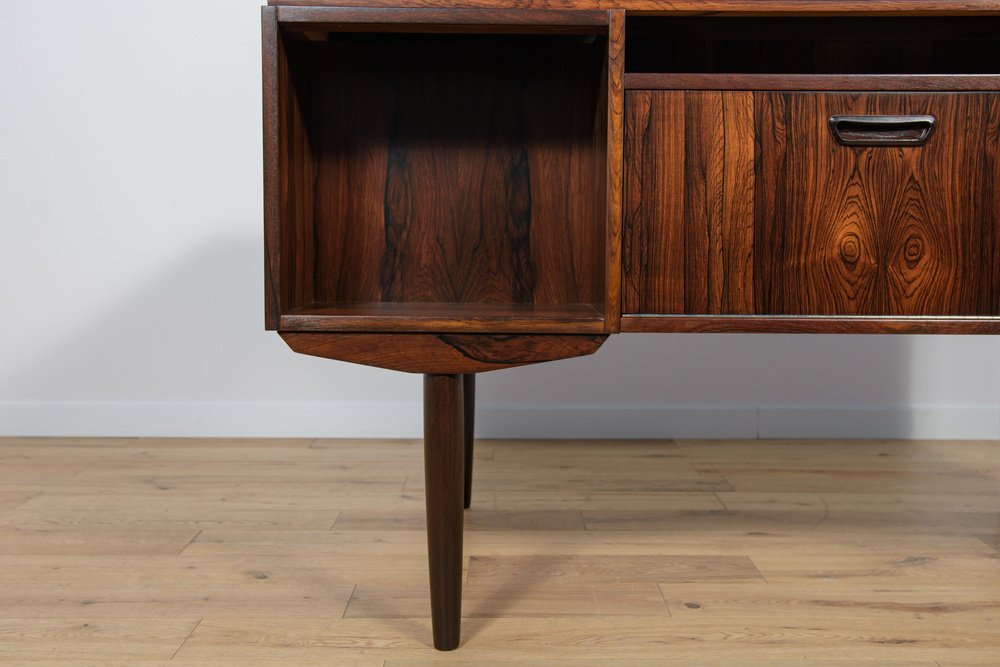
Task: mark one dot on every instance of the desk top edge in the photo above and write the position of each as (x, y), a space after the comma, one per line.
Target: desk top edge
(687, 7)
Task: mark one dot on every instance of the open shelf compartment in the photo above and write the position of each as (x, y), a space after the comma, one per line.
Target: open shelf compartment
(813, 53)
(435, 182)
(825, 45)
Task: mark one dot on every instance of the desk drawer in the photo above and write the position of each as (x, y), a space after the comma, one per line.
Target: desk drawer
(748, 203)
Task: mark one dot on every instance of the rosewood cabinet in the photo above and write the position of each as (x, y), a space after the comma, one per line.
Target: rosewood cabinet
(457, 187)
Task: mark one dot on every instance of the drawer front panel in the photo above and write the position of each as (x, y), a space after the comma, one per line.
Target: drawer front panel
(746, 203)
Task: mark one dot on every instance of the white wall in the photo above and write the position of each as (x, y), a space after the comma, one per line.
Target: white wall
(131, 278)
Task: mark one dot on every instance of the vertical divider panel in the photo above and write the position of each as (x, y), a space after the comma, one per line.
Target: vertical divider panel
(297, 182)
(615, 172)
(272, 233)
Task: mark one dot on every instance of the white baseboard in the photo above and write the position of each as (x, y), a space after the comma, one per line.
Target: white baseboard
(236, 420)
(605, 421)
(965, 422)
(498, 421)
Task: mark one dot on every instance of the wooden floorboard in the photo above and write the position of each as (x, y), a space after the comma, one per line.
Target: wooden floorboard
(505, 598)
(610, 569)
(233, 552)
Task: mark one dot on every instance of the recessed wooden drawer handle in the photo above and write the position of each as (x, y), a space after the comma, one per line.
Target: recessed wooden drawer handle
(882, 130)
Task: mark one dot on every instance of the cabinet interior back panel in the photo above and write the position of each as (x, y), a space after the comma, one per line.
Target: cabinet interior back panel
(452, 169)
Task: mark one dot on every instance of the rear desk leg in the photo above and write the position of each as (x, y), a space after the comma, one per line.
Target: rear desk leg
(469, 402)
(444, 471)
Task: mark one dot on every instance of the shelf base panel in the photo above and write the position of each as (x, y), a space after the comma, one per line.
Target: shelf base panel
(443, 353)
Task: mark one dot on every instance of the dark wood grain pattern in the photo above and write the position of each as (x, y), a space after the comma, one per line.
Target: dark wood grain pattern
(702, 7)
(460, 170)
(654, 150)
(814, 324)
(469, 425)
(881, 230)
(819, 82)
(272, 170)
(442, 353)
(613, 157)
(834, 230)
(445, 317)
(689, 216)
(443, 20)
(444, 477)
(718, 202)
(296, 173)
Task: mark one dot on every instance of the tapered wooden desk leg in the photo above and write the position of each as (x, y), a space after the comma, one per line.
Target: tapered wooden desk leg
(444, 451)
(469, 403)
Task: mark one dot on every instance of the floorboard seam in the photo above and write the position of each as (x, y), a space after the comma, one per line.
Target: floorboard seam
(196, 626)
(189, 543)
(350, 599)
(663, 597)
(722, 502)
(25, 502)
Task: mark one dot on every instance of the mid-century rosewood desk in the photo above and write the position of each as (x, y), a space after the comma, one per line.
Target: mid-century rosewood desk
(456, 186)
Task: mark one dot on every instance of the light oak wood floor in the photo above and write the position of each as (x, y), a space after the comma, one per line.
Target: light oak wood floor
(312, 552)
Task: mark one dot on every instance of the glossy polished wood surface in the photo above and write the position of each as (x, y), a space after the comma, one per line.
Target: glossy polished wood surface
(796, 224)
(469, 426)
(821, 82)
(689, 211)
(425, 20)
(442, 172)
(615, 101)
(476, 184)
(699, 7)
(212, 553)
(814, 324)
(445, 483)
(414, 113)
(442, 353)
(444, 317)
(272, 123)
(878, 231)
